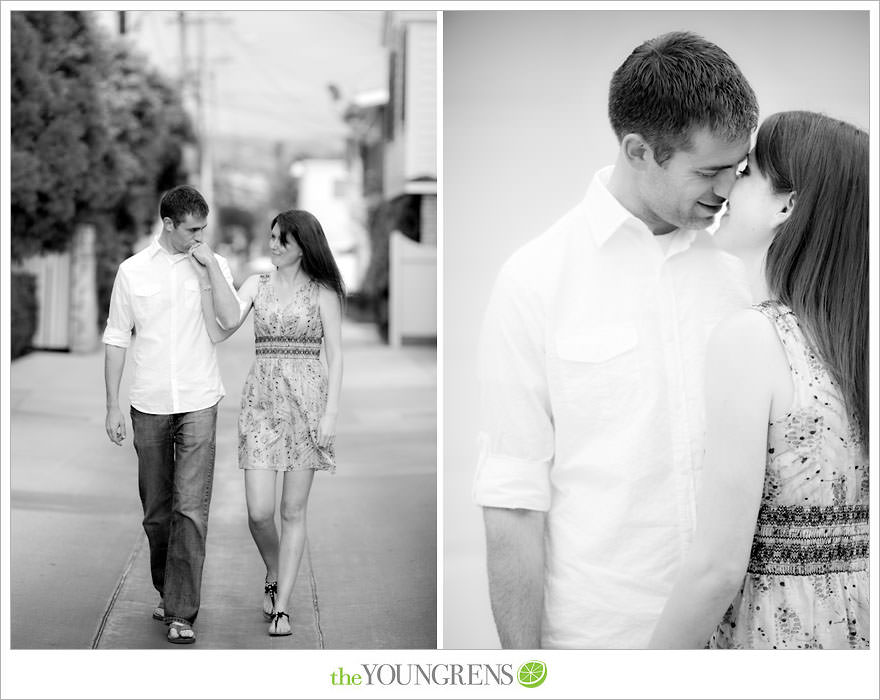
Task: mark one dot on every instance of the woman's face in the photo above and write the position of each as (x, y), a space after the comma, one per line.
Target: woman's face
(283, 254)
(753, 213)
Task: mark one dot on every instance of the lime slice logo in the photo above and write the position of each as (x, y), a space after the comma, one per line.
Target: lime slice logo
(532, 673)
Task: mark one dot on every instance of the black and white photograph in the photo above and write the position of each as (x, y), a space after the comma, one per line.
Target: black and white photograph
(222, 390)
(441, 350)
(656, 329)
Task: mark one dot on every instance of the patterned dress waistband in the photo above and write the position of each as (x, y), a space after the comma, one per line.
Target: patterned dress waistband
(281, 346)
(808, 541)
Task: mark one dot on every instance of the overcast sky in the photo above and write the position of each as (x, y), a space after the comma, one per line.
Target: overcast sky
(270, 69)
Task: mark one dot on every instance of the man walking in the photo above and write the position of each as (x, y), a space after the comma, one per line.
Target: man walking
(174, 394)
(592, 355)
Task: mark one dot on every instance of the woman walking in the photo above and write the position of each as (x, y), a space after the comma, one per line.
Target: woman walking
(289, 401)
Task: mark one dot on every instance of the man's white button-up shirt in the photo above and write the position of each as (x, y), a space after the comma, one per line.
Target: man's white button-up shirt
(156, 294)
(592, 357)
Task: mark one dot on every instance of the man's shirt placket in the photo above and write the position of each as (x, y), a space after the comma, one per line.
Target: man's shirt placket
(174, 345)
(679, 424)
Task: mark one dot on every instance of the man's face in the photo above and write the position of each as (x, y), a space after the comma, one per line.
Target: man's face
(189, 231)
(689, 189)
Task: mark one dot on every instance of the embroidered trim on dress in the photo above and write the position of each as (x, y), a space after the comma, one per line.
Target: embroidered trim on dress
(807, 541)
(280, 346)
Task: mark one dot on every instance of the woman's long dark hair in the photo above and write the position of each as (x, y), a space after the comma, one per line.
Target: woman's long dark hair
(317, 260)
(817, 263)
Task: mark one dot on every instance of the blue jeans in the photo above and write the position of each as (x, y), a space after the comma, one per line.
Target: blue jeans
(175, 476)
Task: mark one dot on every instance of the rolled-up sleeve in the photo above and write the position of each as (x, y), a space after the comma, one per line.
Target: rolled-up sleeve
(119, 317)
(517, 439)
(227, 275)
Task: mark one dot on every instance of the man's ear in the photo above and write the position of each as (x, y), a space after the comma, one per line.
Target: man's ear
(167, 224)
(636, 151)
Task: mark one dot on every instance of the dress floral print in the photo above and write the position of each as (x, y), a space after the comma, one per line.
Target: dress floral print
(285, 393)
(807, 580)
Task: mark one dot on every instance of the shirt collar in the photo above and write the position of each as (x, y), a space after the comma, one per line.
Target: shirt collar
(607, 216)
(155, 249)
(682, 241)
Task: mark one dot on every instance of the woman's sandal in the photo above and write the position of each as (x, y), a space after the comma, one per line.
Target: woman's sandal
(276, 618)
(270, 590)
(181, 633)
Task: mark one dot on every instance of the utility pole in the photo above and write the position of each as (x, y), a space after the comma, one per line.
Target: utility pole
(122, 22)
(196, 87)
(186, 86)
(181, 23)
(206, 179)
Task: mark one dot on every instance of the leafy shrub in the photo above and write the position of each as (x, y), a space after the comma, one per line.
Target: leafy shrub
(23, 309)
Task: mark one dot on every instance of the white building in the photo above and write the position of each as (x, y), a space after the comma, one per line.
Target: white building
(410, 167)
(323, 189)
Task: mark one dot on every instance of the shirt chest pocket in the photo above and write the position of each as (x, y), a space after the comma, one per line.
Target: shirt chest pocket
(146, 300)
(598, 372)
(191, 294)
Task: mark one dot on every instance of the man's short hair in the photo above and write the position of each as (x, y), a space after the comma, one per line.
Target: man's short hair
(181, 201)
(675, 83)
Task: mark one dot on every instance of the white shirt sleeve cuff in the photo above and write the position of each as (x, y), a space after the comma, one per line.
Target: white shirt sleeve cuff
(113, 336)
(505, 482)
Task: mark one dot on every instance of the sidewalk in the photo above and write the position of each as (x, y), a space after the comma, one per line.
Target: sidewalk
(368, 577)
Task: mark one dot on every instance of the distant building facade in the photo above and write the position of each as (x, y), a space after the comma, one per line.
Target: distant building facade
(410, 163)
(392, 156)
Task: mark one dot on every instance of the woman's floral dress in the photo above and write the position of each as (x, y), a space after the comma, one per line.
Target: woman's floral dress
(807, 580)
(285, 393)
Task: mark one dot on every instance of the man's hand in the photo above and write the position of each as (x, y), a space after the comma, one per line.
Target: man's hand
(201, 255)
(226, 305)
(114, 361)
(115, 425)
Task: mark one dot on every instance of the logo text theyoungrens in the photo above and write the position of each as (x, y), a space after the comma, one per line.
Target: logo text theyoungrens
(426, 674)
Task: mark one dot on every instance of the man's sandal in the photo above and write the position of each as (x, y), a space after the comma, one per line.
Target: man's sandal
(273, 626)
(159, 612)
(270, 590)
(181, 633)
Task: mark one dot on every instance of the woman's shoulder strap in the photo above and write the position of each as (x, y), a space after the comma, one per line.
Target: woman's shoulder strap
(782, 318)
(801, 357)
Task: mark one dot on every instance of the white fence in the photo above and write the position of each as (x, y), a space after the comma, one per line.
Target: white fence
(52, 274)
(67, 304)
(412, 302)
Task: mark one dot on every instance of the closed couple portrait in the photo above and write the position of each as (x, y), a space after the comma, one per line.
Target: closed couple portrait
(656, 256)
(455, 350)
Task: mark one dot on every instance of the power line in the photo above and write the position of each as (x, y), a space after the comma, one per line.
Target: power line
(260, 70)
(279, 117)
(268, 72)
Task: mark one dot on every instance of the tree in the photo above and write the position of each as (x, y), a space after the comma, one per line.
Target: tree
(97, 135)
(147, 122)
(148, 125)
(62, 161)
(235, 219)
